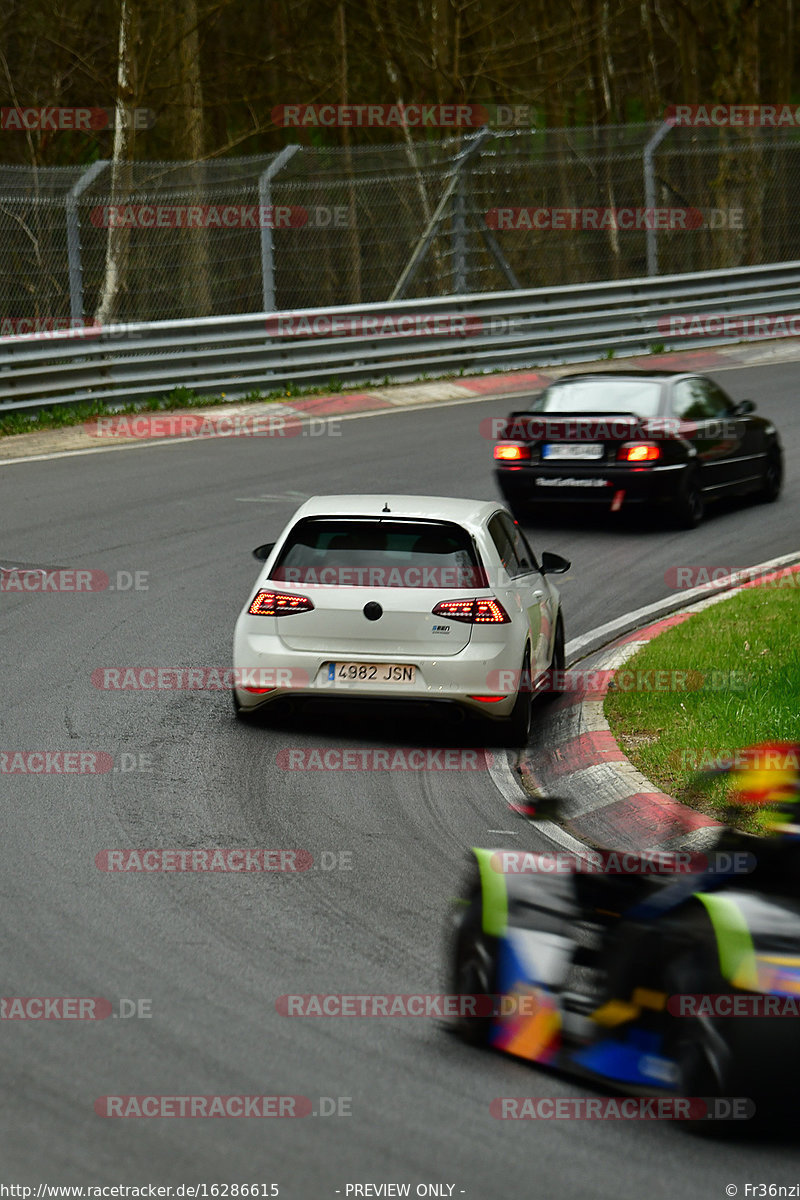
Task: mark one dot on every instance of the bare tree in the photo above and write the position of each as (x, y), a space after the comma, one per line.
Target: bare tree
(118, 238)
(354, 241)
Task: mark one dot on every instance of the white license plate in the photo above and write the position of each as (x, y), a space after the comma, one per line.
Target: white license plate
(377, 673)
(591, 450)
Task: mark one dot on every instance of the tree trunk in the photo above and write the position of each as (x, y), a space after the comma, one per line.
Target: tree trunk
(354, 243)
(118, 240)
(197, 281)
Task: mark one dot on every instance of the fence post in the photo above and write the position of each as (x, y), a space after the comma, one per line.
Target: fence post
(459, 235)
(74, 238)
(650, 193)
(267, 244)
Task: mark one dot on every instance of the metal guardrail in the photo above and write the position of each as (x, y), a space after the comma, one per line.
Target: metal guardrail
(444, 336)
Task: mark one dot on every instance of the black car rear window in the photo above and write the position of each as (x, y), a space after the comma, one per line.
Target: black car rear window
(358, 552)
(612, 395)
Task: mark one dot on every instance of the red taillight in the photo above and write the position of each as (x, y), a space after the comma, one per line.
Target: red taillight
(278, 604)
(637, 452)
(473, 612)
(488, 699)
(511, 451)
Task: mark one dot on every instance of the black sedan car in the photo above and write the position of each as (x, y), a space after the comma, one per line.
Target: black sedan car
(623, 438)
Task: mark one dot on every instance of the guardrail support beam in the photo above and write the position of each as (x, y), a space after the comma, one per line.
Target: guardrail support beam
(430, 231)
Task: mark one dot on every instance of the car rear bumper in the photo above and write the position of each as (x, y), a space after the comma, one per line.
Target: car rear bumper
(581, 483)
(264, 659)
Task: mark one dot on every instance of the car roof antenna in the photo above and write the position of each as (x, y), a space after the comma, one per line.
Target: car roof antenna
(386, 507)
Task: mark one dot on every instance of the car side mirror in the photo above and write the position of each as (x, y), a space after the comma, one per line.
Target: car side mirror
(744, 407)
(263, 552)
(554, 564)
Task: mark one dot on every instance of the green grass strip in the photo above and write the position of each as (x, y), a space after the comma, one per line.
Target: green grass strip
(742, 657)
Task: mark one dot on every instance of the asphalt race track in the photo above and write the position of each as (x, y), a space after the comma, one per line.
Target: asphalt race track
(213, 952)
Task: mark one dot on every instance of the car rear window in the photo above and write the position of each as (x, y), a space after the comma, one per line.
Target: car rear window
(357, 552)
(639, 396)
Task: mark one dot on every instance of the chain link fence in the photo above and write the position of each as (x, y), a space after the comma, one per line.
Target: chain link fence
(314, 226)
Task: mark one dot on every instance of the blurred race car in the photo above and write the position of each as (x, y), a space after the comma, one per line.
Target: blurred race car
(409, 598)
(619, 438)
(659, 975)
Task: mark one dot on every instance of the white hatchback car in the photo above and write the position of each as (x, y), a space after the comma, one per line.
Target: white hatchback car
(416, 598)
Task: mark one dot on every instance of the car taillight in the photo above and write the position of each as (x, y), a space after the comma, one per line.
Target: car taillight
(636, 452)
(278, 604)
(473, 612)
(511, 451)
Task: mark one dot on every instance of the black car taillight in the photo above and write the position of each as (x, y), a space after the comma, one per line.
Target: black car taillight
(511, 451)
(278, 604)
(638, 452)
(473, 612)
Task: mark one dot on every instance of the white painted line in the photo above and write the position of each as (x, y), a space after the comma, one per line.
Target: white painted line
(24, 458)
(512, 791)
(560, 837)
(672, 604)
(188, 441)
